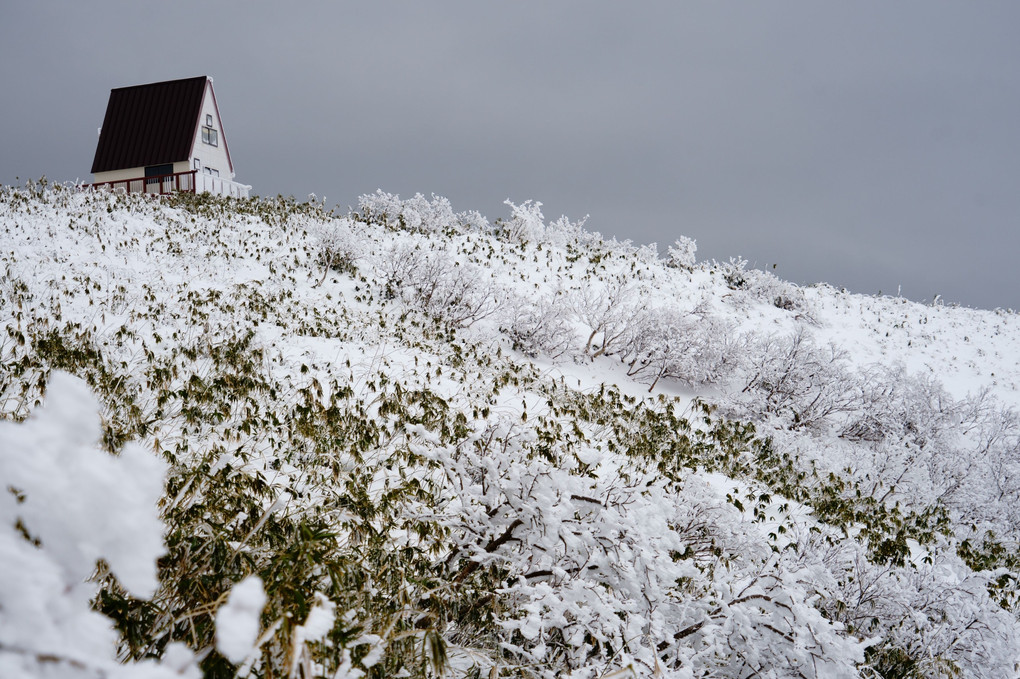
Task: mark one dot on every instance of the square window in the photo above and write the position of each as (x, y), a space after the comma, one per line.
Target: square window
(209, 136)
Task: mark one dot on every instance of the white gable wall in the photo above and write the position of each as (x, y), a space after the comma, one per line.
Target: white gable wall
(214, 157)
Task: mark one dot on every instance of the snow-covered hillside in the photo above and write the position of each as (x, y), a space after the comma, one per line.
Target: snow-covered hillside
(426, 443)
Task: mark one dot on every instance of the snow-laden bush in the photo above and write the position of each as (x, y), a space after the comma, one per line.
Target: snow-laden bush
(542, 326)
(436, 283)
(763, 286)
(65, 506)
(915, 444)
(693, 347)
(563, 233)
(766, 287)
(623, 567)
(526, 223)
(339, 246)
(607, 308)
(930, 617)
(734, 272)
(999, 438)
(908, 418)
(682, 254)
(804, 385)
(417, 214)
(473, 220)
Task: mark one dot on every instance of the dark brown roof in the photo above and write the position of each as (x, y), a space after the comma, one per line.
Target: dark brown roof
(149, 124)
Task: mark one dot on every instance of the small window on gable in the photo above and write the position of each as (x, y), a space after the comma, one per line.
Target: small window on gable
(209, 136)
(208, 119)
(196, 164)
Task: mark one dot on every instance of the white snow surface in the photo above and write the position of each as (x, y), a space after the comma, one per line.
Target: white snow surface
(81, 504)
(117, 494)
(238, 620)
(940, 382)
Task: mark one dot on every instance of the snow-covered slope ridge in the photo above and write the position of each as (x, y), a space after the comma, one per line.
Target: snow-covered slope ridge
(444, 445)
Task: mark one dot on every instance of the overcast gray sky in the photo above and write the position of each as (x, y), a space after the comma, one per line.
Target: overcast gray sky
(867, 144)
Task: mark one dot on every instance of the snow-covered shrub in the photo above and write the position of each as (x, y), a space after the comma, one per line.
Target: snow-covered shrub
(799, 382)
(434, 282)
(64, 506)
(542, 326)
(339, 245)
(763, 286)
(908, 435)
(646, 256)
(417, 214)
(928, 617)
(766, 287)
(682, 254)
(397, 265)
(665, 342)
(999, 438)
(662, 576)
(607, 309)
(473, 220)
(915, 445)
(21, 382)
(912, 409)
(734, 272)
(526, 223)
(564, 232)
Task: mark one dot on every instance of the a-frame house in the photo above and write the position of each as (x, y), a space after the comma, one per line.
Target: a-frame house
(165, 137)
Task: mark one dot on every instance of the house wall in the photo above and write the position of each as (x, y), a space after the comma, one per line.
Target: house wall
(214, 157)
(133, 173)
(118, 175)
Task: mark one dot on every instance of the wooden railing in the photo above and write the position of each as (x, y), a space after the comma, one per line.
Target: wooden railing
(191, 181)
